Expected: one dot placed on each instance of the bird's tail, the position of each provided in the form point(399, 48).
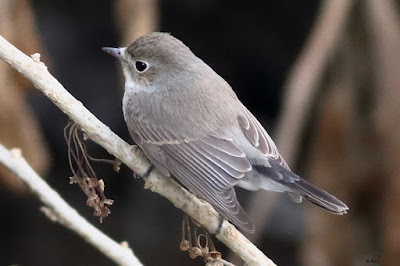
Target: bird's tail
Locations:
point(318, 196)
point(298, 188)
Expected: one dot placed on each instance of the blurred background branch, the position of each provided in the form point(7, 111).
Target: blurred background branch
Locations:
point(135, 18)
point(300, 92)
point(19, 126)
point(384, 22)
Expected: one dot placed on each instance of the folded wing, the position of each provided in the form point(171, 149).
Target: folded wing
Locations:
point(209, 167)
point(211, 172)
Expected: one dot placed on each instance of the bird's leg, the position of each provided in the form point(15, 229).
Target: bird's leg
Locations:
point(134, 149)
point(220, 221)
point(148, 171)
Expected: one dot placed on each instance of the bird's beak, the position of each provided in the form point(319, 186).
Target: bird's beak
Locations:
point(116, 52)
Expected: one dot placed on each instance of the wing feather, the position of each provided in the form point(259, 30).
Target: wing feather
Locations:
point(223, 200)
point(224, 145)
point(199, 166)
point(235, 168)
point(259, 137)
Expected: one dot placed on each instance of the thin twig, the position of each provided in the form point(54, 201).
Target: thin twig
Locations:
point(134, 158)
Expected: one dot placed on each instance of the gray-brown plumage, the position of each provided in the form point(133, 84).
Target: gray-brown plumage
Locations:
point(191, 125)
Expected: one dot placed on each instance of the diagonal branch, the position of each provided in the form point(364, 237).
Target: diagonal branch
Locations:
point(202, 212)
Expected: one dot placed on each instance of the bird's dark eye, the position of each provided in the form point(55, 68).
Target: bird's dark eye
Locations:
point(140, 66)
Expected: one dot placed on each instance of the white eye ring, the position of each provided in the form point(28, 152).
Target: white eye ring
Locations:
point(141, 66)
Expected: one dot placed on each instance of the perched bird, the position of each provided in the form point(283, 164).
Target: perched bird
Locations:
point(191, 125)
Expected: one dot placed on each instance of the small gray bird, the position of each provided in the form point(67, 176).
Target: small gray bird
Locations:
point(190, 124)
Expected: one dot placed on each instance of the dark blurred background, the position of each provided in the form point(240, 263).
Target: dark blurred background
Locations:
point(274, 54)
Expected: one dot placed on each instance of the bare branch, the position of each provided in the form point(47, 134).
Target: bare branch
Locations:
point(199, 210)
point(59, 211)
